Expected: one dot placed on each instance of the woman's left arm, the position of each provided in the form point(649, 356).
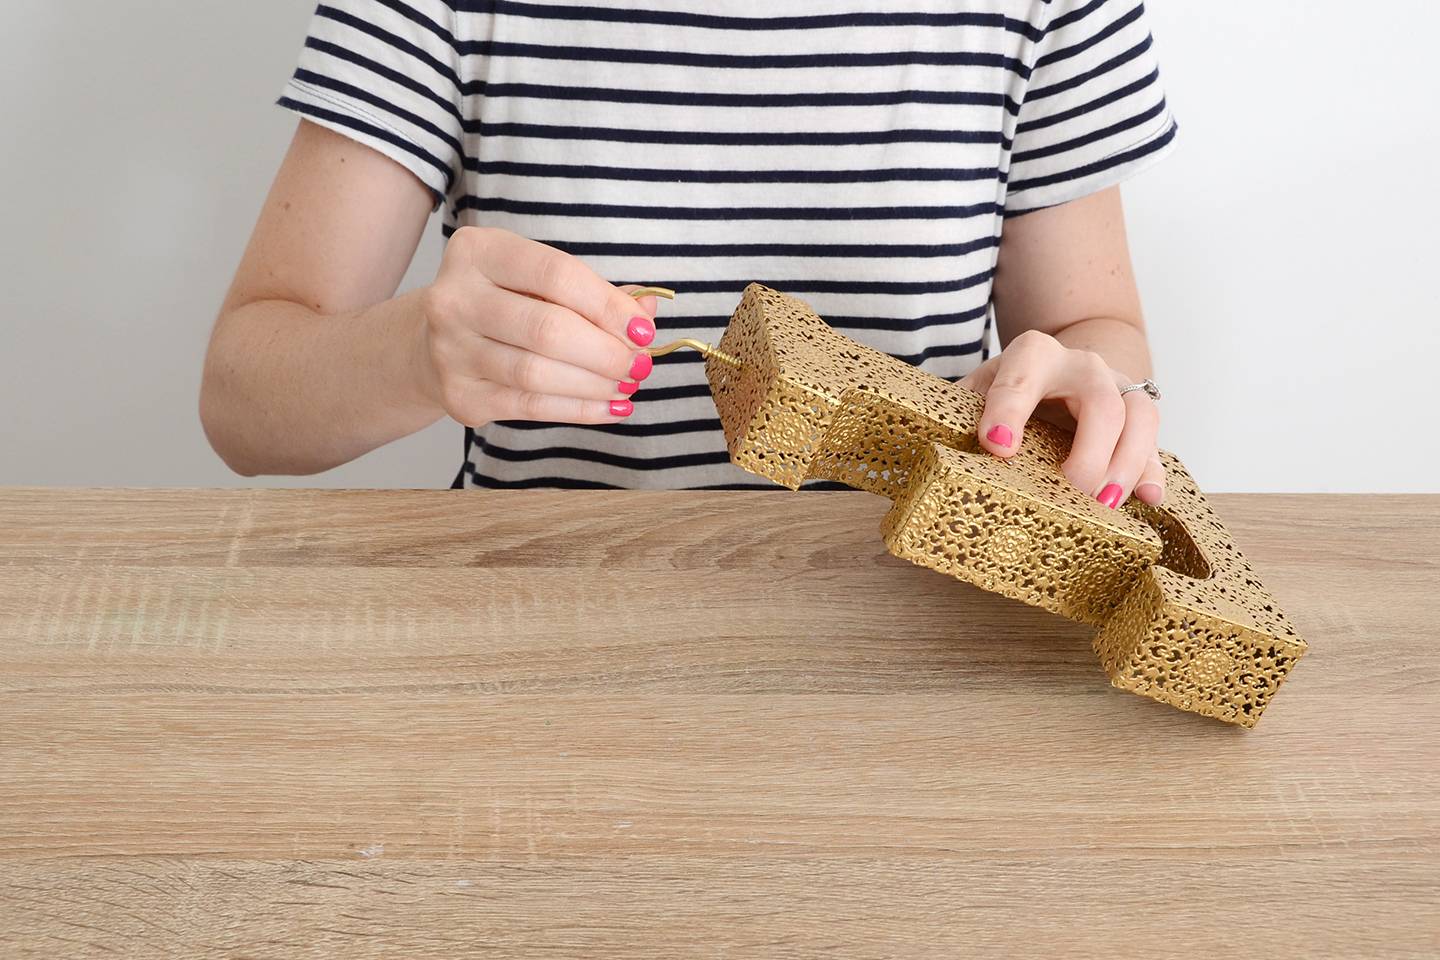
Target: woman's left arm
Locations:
point(1071, 327)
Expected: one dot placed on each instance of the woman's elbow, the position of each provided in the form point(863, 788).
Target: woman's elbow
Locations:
point(222, 416)
point(219, 424)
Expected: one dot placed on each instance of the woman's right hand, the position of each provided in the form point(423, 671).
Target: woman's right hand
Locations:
point(516, 330)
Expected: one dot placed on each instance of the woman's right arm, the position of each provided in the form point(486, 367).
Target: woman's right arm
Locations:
point(314, 360)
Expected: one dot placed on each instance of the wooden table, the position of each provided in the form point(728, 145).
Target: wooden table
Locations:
point(364, 724)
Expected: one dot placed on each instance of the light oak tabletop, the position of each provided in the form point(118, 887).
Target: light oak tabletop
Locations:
point(591, 724)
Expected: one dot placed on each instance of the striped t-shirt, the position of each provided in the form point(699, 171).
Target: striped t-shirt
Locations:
point(860, 155)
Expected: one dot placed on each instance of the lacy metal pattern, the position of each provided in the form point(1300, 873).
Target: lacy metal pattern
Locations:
point(1180, 614)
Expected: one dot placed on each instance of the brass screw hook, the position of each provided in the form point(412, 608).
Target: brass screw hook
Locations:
point(704, 348)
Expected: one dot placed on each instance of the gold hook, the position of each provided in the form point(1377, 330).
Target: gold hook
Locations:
point(665, 292)
point(704, 348)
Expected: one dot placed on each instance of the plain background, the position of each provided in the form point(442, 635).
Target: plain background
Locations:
point(1286, 252)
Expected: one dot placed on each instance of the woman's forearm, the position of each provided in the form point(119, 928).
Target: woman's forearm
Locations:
point(290, 390)
point(1121, 343)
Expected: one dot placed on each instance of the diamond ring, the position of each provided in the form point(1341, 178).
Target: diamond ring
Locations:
point(1148, 385)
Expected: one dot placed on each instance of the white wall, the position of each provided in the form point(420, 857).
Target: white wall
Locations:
point(1285, 251)
point(139, 140)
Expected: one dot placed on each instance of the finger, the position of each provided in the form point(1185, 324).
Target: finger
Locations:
point(544, 408)
point(1133, 450)
point(647, 306)
point(527, 266)
point(1095, 402)
point(1151, 486)
point(535, 373)
point(478, 402)
point(646, 297)
point(553, 331)
point(981, 377)
point(1023, 376)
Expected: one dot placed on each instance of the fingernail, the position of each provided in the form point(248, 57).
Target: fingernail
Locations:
point(1000, 434)
point(626, 387)
point(642, 366)
point(621, 408)
point(1151, 493)
point(641, 331)
point(1110, 496)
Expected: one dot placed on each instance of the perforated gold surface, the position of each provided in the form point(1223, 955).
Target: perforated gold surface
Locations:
point(1181, 615)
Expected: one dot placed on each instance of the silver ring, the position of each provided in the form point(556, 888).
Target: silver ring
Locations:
point(1148, 385)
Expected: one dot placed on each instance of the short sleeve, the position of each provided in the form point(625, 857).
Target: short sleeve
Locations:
point(1094, 112)
point(386, 74)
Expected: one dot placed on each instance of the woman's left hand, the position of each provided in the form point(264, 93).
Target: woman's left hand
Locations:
point(1114, 452)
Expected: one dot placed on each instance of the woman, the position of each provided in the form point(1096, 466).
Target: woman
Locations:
point(913, 174)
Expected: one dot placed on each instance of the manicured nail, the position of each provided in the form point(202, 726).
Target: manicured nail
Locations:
point(642, 366)
point(1000, 434)
point(626, 387)
point(1110, 496)
point(1151, 493)
point(621, 408)
point(641, 331)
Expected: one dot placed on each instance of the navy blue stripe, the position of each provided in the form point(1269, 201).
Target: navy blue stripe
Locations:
point(376, 132)
point(866, 250)
point(1100, 36)
point(688, 98)
point(676, 427)
point(1093, 136)
point(380, 70)
point(702, 390)
point(687, 391)
point(940, 351)
point(670, 429)
point(1079, 79)
point(705, 458)
point(406, 9)
point(848, 324)
point(828, 286)
point(1099, 166)
point(365, 96)
point(399, 43)
point(710, 21)
point(936, 351)
point(466, 467)
point(809, 486)
point(1079, 13)
point(766, 138)
point(843, 324)
point(654, 175)
point(1089, 106)
point(741, 61)
point(615, 211)
point(569, 483)
point(536, 483)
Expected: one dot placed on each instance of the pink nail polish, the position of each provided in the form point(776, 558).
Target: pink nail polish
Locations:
point(641, 331)
point(642, 366)
point(621, 408)
point(1110, 496)
point(626, 387)
point(1000, 434)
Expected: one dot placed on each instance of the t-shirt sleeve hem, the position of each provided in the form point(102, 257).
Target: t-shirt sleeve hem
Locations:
point(1027, 196)
point(336, 112)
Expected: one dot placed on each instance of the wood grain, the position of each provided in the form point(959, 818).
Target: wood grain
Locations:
point(429, 724)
